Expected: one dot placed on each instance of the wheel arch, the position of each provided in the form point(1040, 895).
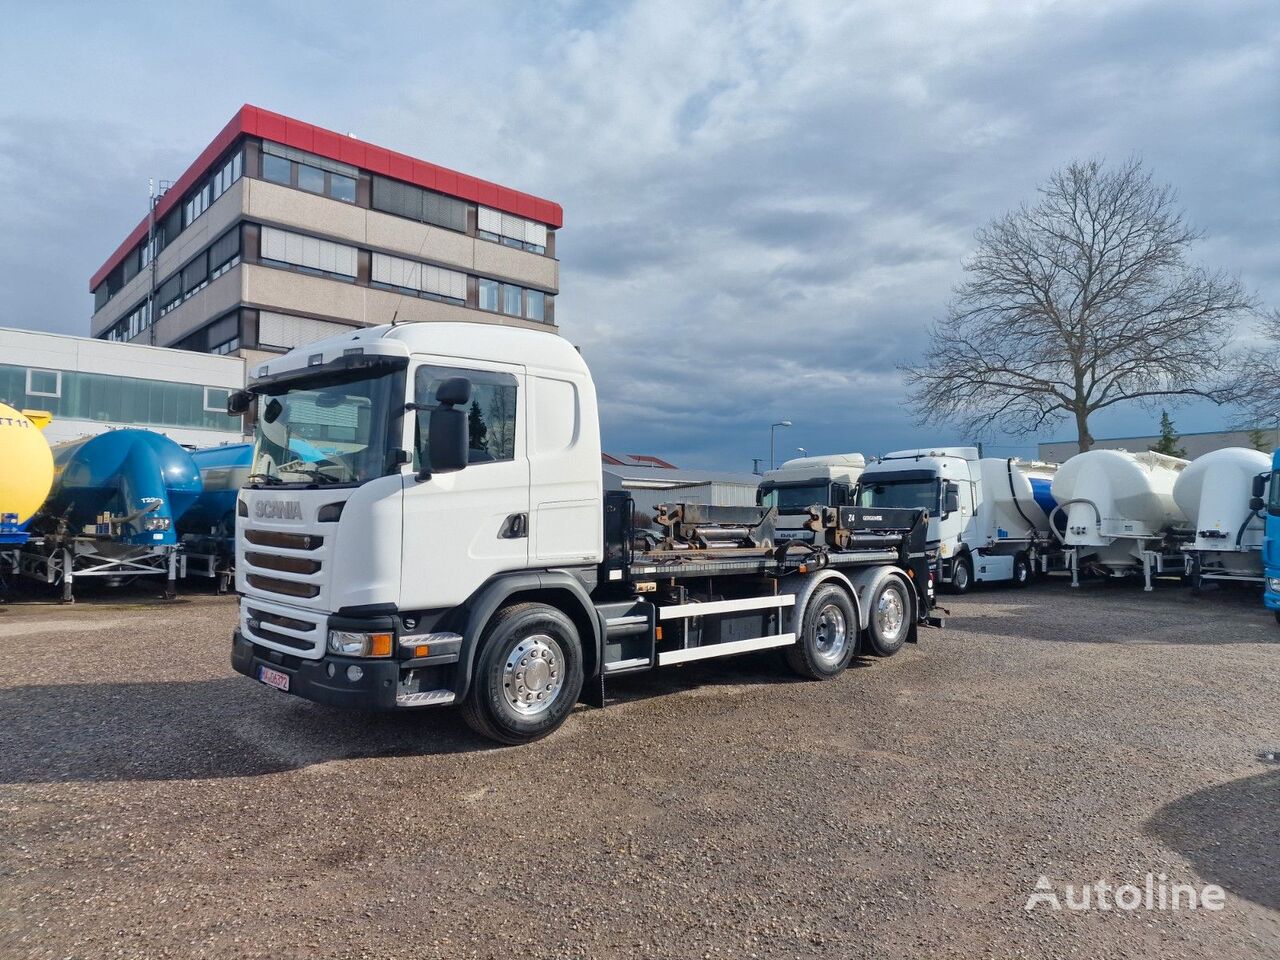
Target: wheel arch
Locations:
point(804, 589)
point(556, 588)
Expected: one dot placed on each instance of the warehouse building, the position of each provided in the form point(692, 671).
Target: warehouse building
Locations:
point(651, 481)
point(1195, 444)
point(91, 386)
point(282, 232)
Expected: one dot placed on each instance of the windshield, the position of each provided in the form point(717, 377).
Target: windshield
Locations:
point(912, 494)
point(1274, 507)
point(331, 429)
point(795, 497)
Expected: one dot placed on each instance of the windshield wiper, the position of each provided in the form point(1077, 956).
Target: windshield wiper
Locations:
point(267, 478)
point(315, 473)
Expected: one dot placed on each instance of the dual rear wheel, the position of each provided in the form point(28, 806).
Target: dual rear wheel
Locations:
point(829, 632)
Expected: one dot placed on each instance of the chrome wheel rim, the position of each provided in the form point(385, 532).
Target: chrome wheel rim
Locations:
point(533, 675)
point(890, 613)
point(961, 576)
point(830, 634)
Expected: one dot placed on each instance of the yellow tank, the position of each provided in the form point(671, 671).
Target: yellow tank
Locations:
point(26, 463)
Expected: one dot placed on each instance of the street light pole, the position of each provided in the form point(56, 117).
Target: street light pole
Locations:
point(772, 429)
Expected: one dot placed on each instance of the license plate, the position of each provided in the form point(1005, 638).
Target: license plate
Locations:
point(273, 678)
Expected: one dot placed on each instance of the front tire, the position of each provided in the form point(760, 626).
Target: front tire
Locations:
point(528, 674)
point(962, 575)
point(889, 616)
point(827, 637)
point(1021, 570)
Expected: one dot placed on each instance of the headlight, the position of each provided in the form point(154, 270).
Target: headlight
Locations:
point(351, 643)
point(156, 523)
point(1273, 584)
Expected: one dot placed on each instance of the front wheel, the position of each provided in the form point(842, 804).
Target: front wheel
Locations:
point(889, 617)
point(827, 636)
point(961, 575)
point(1021, 570)
point(528, 674)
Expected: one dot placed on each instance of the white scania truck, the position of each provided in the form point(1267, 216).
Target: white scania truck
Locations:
point(425, 524)
point(988, 515)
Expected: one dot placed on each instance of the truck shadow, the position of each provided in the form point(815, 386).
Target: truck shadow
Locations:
point(1229, 834)
point(184, 730)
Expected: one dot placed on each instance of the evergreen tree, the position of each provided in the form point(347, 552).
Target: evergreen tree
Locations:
point(1168, 443)
point(477, 431)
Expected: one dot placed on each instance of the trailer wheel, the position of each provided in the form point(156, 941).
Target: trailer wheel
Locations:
point(1021, 570)
point(961, 575)
point(528, 674)
point(889, 617)
point(828, 635)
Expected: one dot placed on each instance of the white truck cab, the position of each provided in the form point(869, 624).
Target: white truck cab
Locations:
point(988, 516)
point(424, 523)
point(799, 484)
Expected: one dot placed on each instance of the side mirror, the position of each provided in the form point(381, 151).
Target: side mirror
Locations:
point(238, 403)
point(447, 433)
point(272, 413)
point(951, 499)
point(1259, 486)
point(1256, 504)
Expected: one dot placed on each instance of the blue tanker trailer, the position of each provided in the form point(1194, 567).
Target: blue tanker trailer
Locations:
point(114, 509)
point(209, 528)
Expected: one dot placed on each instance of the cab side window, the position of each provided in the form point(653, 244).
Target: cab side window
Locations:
point(491, 415)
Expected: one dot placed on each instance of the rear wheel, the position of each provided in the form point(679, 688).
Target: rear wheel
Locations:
point(827, 636)
point(889, 619)
point(528, 674)
point(961, 575)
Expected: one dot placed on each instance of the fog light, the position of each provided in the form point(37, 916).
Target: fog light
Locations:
point(330, 670)
point(1273, 584)
point(354, 673)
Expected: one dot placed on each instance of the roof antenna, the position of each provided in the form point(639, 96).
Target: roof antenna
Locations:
point(394, 315)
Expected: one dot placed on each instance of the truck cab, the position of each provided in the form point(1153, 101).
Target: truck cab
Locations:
point(988, 516)
point(1271, 539)
point(804, 482)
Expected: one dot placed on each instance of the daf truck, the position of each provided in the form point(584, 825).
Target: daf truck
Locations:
point(424, 524)
point(988, 516)
point(829, 480)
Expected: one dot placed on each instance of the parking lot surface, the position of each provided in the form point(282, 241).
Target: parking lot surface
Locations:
point(154, 804)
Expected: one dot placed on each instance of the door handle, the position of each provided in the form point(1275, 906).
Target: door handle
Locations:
point(515, 527)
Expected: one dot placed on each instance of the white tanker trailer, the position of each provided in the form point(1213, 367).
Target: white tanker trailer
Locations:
point(1119, 512)
point(1214, 493)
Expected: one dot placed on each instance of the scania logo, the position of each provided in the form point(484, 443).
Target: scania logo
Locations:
point(278, 510)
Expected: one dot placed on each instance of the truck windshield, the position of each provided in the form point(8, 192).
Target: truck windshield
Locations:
point(913, 494)
point(334, 429)
point(793, 498)
point(1273, 507)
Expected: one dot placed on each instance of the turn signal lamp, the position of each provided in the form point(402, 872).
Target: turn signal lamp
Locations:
point(380, 645)
point(422, 650)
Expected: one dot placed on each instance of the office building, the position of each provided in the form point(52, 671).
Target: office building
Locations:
point(1195, 444)
point(281, 233)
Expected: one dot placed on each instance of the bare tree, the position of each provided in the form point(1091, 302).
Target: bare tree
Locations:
point(1078, 303)
point(1258, 391)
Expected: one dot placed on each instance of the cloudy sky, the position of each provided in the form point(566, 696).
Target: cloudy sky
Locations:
point(765, 203)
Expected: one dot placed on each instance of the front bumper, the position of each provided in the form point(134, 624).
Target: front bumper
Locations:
point(375, 690)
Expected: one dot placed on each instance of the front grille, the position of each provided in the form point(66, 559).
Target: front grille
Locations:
point(282, 638)
point(288, 588)
point(286, 541)
point(279, 620)
point(270, 561)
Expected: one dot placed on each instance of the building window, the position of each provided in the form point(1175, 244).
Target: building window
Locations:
point(44, 383)
point(535, 305)
point(230, 346)
point(488, 295)
point(422, 279)
point(277, 169)
point(511, 300)
point(510, 230)
point(342, 188)
point(310, 179)
point(491, 416)
point(215, 399)
point(415, 203)
point(308, 253)
point(225, 253)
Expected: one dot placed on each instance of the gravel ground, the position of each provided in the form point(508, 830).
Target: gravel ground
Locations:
point(154, 804)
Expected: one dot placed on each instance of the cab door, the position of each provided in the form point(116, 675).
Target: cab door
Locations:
point(462, 528)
